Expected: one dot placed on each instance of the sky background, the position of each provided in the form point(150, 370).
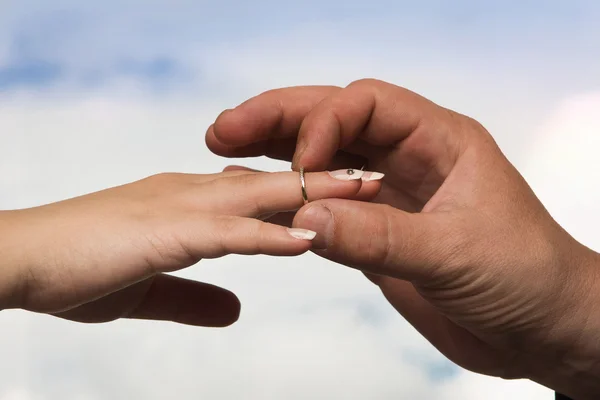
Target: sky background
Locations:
point(94, 95)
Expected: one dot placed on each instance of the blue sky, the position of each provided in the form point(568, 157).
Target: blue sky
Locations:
point(95, 94)
point(160, 42)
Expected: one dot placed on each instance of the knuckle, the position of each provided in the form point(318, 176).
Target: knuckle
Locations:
point(233, 183)
point(380, 88)
point(397, 228)
point(166, 253)
point(260, 235)
point(366, 87)
point(380, 247)
point(271, 93)
point(470, 122)
point(367, 82)
point(166, 187)
point(251, 199)
point(464, 124)
point(236, 237)
point(241, 179)
point(394, 229)
point(236, 193)
point(163, 177)
point(376, 248)
point(225, 226)
point(274, 98)
point(163, 183)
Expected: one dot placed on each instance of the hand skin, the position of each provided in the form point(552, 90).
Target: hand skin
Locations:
point(456, 240)
point(106, 255)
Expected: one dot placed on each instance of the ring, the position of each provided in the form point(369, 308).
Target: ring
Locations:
point(303, 186)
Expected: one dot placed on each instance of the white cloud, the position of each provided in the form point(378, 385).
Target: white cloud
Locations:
point(563, 167)
point(469, 386)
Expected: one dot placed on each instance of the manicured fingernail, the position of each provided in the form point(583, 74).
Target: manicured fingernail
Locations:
point(347, 174)
point(302, 234)
point(372, 176)
point(355, 174)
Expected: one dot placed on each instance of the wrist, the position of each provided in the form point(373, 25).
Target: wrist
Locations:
point(11, 282)
point(571, 365)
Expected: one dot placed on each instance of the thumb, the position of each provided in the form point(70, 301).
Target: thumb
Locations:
point(383, 240)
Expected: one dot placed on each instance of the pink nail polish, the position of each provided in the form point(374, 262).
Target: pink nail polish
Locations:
point(347, 174)
point(355, 174)
point(302, 234)
point(372, 176)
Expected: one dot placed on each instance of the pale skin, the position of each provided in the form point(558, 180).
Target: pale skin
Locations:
point(106, 255)
point(455, 239)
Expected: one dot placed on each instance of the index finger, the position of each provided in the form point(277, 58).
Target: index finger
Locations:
point(252, 195)
point(273, 115)
point(381, 114)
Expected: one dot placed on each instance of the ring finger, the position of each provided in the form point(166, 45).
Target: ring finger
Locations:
point(254, 194)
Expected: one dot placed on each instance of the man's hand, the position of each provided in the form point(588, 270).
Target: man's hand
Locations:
point(456, 240)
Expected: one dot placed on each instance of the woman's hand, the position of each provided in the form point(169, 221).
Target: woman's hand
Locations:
point(104, 256)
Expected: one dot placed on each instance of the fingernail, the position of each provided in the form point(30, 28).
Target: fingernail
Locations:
point(302, 234)
point(320, 219)
point(355, 174)
point(347, 174)
point(372, 176)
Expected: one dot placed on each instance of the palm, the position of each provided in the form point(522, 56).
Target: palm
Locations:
point(409, 186)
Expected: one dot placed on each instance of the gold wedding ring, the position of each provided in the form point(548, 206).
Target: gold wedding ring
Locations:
point(303, 186)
